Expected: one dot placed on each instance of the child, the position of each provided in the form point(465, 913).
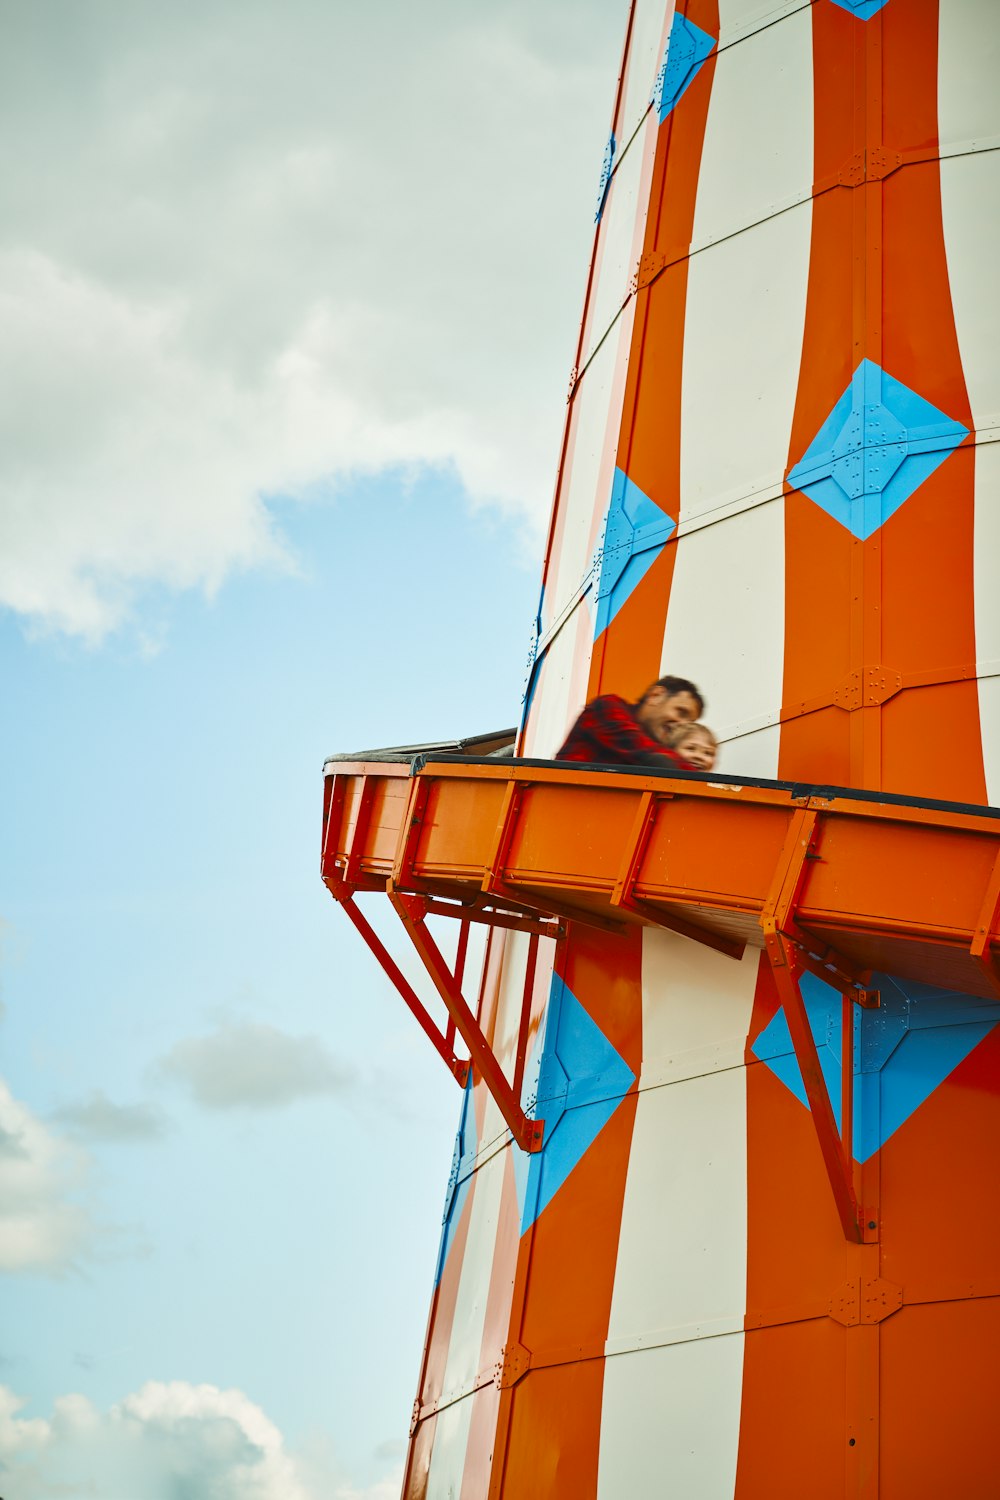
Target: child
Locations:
point(696, 744)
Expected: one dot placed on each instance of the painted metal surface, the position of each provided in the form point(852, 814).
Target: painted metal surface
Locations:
point(756, 1252)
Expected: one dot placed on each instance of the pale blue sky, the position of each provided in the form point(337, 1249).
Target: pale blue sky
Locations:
point(162, 817)
point(288, 302)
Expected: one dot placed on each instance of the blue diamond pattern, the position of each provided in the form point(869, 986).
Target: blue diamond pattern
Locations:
point(902, 1051)
point(687, 48)
point(875, 449)
point(532, 669)
point(634, 533)
point(863, 9)
point(577, 1081)
point(463, 1163)
point(606, 169)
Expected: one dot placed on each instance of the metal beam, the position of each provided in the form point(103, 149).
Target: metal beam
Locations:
point(458, 1067)
point(527, 1132)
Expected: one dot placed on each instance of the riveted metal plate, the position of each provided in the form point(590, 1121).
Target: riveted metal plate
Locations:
point(513, 1363)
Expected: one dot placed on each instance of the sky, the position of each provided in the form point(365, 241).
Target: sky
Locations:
point(288, 302)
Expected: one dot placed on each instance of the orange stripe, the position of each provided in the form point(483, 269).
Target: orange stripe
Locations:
point(792, 1438)
point(486, 1402)
point(482, 1444)
point(897, 599)
point(567, 1281)
point(439, 1326)
point(557, 522)
point(442, 1311)
point(938, 1358)
point(819, 553)
point(627, 655)
point(418, 1461)
point(878, 289)
point(549, 1423)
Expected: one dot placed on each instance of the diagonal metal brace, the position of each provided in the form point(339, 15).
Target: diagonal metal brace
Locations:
point(834, 1148)
point(788, 961)
point(527, 1132)
point(457, 1066)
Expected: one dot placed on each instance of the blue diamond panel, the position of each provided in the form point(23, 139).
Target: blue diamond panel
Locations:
point(687, 48)
point(577, 1082)
point(902, 1051)
point(863, 9)
point(877, 446)
point(463, 1162)
point(634, 533)
point(605, 182)
point(534, 662)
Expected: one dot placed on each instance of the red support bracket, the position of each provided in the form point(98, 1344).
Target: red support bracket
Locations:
point(333, 803)
point(834, 1148)
point(493, 883)
point(362, 823)
point(623, 897)
point(411, 910)
point(509, 916)
point(522, 1031)
point(789, 960)
point(457, 1066)
point(402, 870)
point(980, 948)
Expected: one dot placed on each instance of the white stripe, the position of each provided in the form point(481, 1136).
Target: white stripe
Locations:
point(987, 602)
point(610, 315)
point(508, 1020)
point(562, 687)
point(970, 193)
point(681, 1271)
point(743, 347)
point(586, 490)
point(758, 150)
point(668, 1425)
point(451, 1439)
point(682, 1250)
point(584, 496)
point(623, 224)
point(680, 1277)
point(740, 18)
point(747, 295)
point(650, 29)
point(726, 628)
point(969, 62)
point(465, 1348)
point(968, 68)
point(622, 228)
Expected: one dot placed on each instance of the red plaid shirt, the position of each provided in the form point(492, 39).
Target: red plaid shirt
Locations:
point(608, 733)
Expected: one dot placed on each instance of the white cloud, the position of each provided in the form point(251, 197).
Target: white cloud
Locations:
point(167, 1439)
point(100, 1119)
point(164, 1440)
point(251, 1065)
point(251, 249)
point(43, 1224)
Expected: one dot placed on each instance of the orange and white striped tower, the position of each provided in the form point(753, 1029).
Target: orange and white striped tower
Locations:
point(779, 478)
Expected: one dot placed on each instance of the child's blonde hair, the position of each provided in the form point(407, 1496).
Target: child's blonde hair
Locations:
point(681, 732)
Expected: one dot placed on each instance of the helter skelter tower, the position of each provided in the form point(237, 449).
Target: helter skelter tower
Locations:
point(723, 1216)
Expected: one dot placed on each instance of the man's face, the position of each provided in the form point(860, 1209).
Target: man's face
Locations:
point(660, 711)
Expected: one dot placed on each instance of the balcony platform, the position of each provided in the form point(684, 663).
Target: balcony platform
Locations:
point(831, 880)
point(891, 883)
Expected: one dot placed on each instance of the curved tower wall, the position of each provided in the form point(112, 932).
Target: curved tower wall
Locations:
point(779, 478)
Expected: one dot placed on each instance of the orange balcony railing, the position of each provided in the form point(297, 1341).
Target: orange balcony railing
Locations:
point(838, 882)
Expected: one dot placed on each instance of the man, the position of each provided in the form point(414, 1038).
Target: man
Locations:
point(611, 731)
